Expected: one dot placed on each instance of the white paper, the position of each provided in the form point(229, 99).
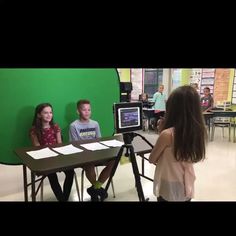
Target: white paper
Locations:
point(112, 143)
point(42, 153)
point(94, 146)
point(68, 149)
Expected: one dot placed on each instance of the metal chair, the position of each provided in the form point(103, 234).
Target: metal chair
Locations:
point(40, 186)
point(221, 122)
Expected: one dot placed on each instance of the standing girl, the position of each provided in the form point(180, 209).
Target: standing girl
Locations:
point(45, 132)
point(180, 144)
point(159, 99)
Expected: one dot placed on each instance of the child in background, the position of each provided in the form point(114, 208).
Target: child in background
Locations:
point(45, 132)
point(195, 86)
point(86, 129)
point(180, 144)
point(144, 99)
point(159, 99)
point(207, 101)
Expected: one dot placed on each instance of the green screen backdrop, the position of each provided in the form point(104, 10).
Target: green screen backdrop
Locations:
point(22, 89)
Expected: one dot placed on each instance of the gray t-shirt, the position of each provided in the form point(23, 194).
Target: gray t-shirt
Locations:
point(206, 102)
point(84, 131)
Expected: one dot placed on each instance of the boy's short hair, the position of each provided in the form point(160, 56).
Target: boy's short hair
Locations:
point(207, 89)
point(82, 102)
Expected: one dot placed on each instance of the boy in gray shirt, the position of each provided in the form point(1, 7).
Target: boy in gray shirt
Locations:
point(86, 129)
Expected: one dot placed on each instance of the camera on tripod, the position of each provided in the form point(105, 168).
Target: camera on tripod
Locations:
point(128, 117)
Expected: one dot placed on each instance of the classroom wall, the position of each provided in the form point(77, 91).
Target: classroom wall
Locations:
point(137, 76)
point(124, 74)
point(179, 77)
point(167, 81)
point(182, 76)
point(185, 76)
point(231, 80)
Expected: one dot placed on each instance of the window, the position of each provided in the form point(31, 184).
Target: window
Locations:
point(152, 80)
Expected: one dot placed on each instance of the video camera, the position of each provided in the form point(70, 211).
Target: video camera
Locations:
point(128, 116)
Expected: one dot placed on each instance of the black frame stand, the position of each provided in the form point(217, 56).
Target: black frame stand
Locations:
point(128, 138)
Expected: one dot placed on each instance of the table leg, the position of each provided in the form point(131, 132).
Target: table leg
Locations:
point(33, 186)
point(234, 131)
point(25, 183)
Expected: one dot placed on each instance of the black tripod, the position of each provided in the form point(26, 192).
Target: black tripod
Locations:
point(128, 138)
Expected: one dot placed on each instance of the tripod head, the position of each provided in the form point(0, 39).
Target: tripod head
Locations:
point(129, 137)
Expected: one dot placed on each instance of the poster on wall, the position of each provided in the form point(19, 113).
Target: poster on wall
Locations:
point(234, 89)
point(195, 77)
point(221, 87)
point(208, 80)
point(137, 83)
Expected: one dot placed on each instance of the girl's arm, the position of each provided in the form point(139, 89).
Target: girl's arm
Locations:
point(163, 141)
point(98, 131)
point(57, 130)
point(154, 98)
point(34, 139)
point(211, 105)
point(58, 136)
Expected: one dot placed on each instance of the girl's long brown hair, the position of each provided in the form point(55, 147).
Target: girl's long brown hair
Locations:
point(37, 122)
point(183, 112)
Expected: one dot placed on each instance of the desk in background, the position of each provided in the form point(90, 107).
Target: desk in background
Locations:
point(229, 114)
point(150, 113)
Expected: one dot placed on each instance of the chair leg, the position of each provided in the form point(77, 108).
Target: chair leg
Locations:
point(113, 190)
point(82, 185)
point(229, 132)
point(77, 185)
point(41, 192)
point(213, 132)
point(223, 132)
point(40, 186)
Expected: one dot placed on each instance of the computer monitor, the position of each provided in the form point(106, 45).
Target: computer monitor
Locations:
point(128, 116)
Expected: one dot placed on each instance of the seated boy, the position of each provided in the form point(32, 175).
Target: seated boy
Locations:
point(84, 129)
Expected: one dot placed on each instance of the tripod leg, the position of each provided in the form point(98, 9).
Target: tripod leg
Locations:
point(117, 160)
point(136, 175)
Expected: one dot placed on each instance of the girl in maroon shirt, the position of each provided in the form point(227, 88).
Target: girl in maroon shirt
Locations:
point(45, 132)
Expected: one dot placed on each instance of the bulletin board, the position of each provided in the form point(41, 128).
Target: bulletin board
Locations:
point(234, 89)
point(208, 80)
point(221, 87)
point(195, 77)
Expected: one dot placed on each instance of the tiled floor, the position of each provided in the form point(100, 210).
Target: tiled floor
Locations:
point(216, 177)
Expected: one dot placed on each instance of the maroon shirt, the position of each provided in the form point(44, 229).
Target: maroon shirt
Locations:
point(49, 135)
